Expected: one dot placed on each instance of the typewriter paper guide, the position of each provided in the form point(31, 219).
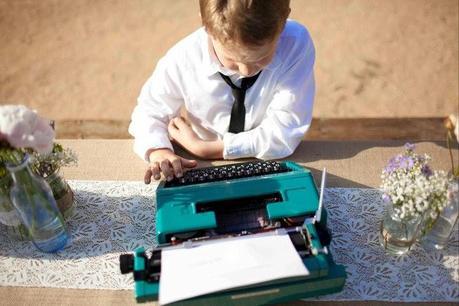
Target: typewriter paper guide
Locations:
point(204, 269)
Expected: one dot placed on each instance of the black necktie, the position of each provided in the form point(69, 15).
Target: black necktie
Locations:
point(237, 119)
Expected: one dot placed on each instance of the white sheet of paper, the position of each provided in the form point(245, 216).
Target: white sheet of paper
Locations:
point(195, 271)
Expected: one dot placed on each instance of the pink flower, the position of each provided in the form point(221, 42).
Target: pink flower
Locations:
point(23, 128)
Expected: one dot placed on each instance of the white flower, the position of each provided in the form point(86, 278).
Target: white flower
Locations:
point(23, 128)
point(414, 190)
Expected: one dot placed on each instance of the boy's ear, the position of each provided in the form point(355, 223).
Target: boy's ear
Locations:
point(200, 18)
point(289, 11)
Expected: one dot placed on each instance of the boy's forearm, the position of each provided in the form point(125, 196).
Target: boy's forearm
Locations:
point(210, 149)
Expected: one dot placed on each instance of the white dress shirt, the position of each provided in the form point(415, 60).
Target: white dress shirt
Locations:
point(278, 106)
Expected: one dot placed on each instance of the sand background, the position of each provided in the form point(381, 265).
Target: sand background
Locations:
point(85, 59)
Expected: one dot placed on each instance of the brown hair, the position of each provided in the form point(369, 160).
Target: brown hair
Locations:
point(244, 22)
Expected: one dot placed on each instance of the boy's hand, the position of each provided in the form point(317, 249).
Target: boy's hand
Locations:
point(167, 162)
point(184, 135)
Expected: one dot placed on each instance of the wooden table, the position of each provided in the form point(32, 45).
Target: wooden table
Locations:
point(349, 164)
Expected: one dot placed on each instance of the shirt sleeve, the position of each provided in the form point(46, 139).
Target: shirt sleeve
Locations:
point(159, 101)
point(288, 115)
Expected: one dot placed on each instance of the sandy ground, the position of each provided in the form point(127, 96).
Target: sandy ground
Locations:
point(85, 59)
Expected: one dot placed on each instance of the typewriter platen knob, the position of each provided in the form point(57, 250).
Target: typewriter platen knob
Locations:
point(126, 263)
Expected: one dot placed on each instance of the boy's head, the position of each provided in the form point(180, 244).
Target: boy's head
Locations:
point(244, 33)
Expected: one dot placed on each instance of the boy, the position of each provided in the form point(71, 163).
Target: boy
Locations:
point(245, 81)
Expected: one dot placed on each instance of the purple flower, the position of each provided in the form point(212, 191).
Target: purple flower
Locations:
point(426, 170)
point(389, 169)
point(399, 162)
point(386, 198)
point(406, 162)
point(409, 146)
point(393, 164)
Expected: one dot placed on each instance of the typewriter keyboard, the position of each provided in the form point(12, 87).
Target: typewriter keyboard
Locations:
point(228, 172)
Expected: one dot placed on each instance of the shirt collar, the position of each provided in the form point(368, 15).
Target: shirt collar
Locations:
point(211, 63)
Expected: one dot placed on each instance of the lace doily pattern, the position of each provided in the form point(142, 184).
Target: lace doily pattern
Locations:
point(117, 217)
point(354, 220)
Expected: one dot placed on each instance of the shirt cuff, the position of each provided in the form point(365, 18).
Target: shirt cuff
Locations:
point(238, 145)
point(157, 141)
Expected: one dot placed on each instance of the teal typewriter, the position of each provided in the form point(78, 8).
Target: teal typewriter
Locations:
point(240, 200)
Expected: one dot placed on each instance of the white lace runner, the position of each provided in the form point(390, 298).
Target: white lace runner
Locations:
point(117, 217)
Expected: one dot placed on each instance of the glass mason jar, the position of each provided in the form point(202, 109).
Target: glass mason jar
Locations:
point(397, 236)
point(438, 236)
point(62, 193)
point(33, 199)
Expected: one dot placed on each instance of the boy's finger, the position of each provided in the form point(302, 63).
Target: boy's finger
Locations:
point(172, 124)
point(156, 171)
point(147, 177)
point(188, 163)
point(177, 165)
point(166, 169)
point(180, 123)
point(172, 129)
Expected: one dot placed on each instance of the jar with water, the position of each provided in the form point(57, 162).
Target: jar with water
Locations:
point(439, 235)
point(398, 235)
point(33, 199)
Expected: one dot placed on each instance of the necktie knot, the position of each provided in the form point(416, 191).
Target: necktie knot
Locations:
point(246, 83)
point(237, 119)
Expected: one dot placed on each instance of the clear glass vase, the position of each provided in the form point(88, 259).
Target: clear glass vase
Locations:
point(62, 193)
point(397, 236)
point(8, 215)
point(438, 236)
point(33, 200)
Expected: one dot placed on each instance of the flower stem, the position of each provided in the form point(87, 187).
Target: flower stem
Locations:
point(448, 142)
